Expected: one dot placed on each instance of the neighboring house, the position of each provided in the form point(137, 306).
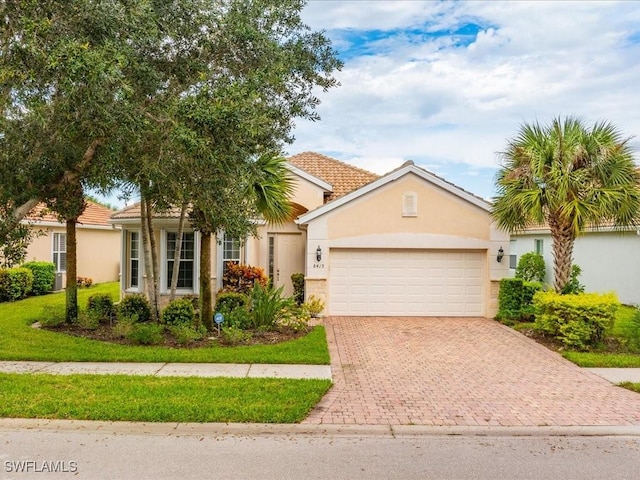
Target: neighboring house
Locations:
point(609, 258)
point(406, 243)
point(98, 243)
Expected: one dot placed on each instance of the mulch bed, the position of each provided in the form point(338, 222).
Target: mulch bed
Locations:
point(104, 333)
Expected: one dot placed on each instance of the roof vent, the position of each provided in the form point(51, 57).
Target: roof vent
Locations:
point(409, 204)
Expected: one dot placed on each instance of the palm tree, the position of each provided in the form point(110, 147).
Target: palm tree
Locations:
point(569, 177)
point(265, 189)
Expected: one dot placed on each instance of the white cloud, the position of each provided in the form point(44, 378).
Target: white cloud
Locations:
point(436, 101)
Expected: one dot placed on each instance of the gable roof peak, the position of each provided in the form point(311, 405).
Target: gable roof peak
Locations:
point(344, 178)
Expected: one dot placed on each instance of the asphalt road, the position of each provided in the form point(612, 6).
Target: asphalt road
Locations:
point(164, 453)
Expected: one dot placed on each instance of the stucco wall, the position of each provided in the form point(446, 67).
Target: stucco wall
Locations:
point(98, 251)
point(307, 194)
point(438, 212)
point(610, 261)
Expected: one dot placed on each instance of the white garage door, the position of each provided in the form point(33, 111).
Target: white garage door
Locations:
point(406, 282)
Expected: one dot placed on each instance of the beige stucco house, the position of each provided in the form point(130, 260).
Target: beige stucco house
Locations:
point(98, 242)
point(406, 243)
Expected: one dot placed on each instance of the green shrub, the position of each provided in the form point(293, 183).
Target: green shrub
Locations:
point(195, 301)
point(44, 276)
point(101, 306)
point(578, 321)
point(52, 315)
point(529, 289)
point(226, 302)
point(239, 318)
point(297, 279)
point(179, 312)
point(510, 299)
point(634, 326)
point(267, 304)
point(531, 267)
point(573, 286)
point(314, 306)
point(185, 334)
point(295, 319)
point(15, 283)
point(235, 336)
point(89, 320)
point(123, 328)
point(135, 306)
point(145, 334)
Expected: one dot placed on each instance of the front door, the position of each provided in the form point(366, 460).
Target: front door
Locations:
point(286, 257)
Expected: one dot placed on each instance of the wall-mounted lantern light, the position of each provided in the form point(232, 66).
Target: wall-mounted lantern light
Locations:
point(318, 253)
point(500, 255)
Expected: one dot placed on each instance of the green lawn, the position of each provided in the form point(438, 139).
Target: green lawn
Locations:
point(18, 341)
point(635, 387)
point(153, 399)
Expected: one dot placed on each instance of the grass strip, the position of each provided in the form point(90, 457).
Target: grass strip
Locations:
point(603, 360)
point(18, 341)
point(634, 387)
point(153, 399)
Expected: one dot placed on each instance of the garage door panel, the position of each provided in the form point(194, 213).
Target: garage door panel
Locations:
point(406, 282)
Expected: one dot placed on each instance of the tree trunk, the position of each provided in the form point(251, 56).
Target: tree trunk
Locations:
point(563, 240)
point(206, 309)
point(71, 309)
point(178, 252)
point(148, 259)
point(155, 308)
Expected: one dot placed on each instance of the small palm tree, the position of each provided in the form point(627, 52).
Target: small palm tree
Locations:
point(569, 177)
point(265, 188)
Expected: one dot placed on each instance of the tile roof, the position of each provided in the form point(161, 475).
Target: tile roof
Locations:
point(343, 177)
point(133, 211)
point(94, 214)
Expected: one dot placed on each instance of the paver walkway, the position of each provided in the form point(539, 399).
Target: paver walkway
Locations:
point(459, 371)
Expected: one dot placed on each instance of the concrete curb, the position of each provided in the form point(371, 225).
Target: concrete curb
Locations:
point(304, 430)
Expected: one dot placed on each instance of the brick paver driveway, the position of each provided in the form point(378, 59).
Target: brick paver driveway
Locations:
point(459, 371)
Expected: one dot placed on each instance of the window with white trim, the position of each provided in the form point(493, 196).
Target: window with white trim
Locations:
point(60, 251)
point(133, 274)
point(186, 269)
point(230, 251)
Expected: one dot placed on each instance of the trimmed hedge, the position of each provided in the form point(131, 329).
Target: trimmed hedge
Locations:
point(297, 279)
point(44, 276)
point(510, 299)
point(101, 306)
point(578, 321)
point(134, 307)
point(515, 300)
point(15, 283)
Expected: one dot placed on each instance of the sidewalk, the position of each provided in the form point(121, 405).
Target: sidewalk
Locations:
point(170, 369)
point(238, 370)
point(617, 375)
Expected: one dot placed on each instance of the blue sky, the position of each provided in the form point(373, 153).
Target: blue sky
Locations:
point(446, 83)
